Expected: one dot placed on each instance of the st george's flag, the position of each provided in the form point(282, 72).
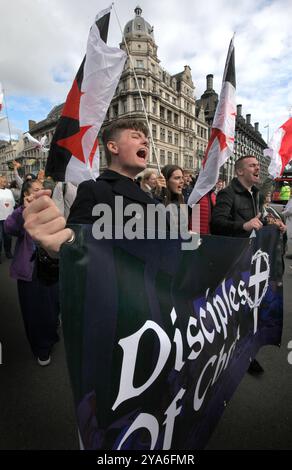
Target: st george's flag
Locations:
point(221, 142)
point(280, 149)
point(1, 97)
point(74, 153)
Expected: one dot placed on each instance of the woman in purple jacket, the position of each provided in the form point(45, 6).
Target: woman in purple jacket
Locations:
point(38, 301)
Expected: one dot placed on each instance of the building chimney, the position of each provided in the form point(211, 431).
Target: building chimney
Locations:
point(239, 110)
point(31, 124)
point(256, 126)
point(210, 81)
point(248, 119)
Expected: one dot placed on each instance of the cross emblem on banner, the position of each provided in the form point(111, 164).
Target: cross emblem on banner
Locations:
point(258, 282)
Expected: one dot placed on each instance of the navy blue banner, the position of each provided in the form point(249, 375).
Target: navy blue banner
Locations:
point(158, 338)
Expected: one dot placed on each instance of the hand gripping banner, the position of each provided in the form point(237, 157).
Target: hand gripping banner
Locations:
point(158, 339)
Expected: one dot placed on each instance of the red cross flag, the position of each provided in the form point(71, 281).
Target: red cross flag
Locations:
point(221, 142)
point(280, 149)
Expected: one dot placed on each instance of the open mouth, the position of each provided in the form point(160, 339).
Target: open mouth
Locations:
point(142, 153)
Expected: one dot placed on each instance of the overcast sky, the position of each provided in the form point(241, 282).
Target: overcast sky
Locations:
point(42, 43)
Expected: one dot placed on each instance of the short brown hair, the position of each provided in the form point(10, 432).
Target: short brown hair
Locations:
point(238, 163)
point(112, 131)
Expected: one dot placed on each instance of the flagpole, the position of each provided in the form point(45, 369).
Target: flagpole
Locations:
point(268, 132)
point(5, 102)
point(140, 94)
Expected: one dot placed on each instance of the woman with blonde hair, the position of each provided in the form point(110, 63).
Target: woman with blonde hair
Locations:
point(149, 182)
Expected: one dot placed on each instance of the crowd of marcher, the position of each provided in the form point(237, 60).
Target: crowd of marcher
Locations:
point(35, 210)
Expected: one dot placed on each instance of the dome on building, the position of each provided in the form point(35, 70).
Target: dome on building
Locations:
point(138, 27)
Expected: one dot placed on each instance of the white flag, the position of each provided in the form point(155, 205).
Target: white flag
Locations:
point(221, 142)
point(280, 149)
point(74, 153)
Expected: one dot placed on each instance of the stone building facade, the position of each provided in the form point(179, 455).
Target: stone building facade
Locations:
point(178, 129)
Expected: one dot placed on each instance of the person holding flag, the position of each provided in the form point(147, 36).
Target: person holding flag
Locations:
point(236, 212)
point(73, 152)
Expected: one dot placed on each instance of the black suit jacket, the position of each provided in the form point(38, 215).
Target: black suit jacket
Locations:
point(234, 206)
point(104, 191)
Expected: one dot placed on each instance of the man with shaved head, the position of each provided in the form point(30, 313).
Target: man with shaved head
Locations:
point(236, 212)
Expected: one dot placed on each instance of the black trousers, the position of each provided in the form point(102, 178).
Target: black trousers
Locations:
point(6, 238)
point(40, 308)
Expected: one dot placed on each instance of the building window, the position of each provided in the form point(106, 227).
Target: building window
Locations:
point(124, 106)
point(175, 139)
point(141, 83)
point(115, 110)
point(154, 131)
point(162, 134)
point(167, 96)
point(138, 104)
point(190, 162)
point(169, 116)
point(154, 107)
point(169, 137)
point(169, 158)
point(162, 112)
point(175, 118)
point(176, 159)
point(140, 64)
point(162, 157)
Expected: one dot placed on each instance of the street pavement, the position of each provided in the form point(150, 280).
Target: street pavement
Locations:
point(259, 415)
point(36, 405)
